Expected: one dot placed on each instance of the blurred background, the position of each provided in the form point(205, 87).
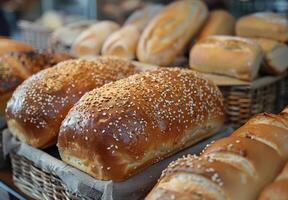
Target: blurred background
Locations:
point(52, 14)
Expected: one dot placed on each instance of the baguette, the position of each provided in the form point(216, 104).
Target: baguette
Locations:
point(275, 55)
point(235, 167)
point(166, 36)
point(227, 55)
point(278, 190)
point(264, 25)
point(219, 22)
point(40, 103)
point(115, 131)
point(122, 43)
point(91, 40)
point(16, 67)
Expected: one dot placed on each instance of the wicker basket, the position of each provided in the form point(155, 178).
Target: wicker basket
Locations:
point(35, 34)
point(36, 183)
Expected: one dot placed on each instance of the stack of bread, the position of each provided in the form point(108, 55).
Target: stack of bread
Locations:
point(236, 167)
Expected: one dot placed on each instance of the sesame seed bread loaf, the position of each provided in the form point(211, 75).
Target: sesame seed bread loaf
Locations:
point(275, 55)
point(264, 25)
point(227, 55)
point(235, 167)
point(15, 67)
point(123, 127)
point(219, 22)
point(40, 103)
point(278, 190)
point(166, 36)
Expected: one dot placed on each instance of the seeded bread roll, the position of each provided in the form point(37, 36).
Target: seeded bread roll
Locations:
point(121, 128)
point(275, 55)
point(39, 105)
point(264, 25)
point(166, 36)
point(278, 190)
point(227, 55)
point(122, 43)
point(90, 41)
point(219, 22)
point(16, 67)
point(235, 167)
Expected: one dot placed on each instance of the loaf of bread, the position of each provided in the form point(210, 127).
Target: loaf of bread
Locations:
point(121, 128)
point(219, 22)
point(278, 190)
point(235, 167)
point(140, 18)
point(169, 32)
point(122, 43)
point(39, 104)
point(9, 45)
point(63, 38)
point(275, 55)
point(264, 25)
point(16, 67)
point(227, 55)
point(90, 41)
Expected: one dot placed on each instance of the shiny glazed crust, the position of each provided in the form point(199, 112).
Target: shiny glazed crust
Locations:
point(264, 25)
point(121, 128)
point(39, 105)
point(235, 167)
point(227, 55)
point(166, 35)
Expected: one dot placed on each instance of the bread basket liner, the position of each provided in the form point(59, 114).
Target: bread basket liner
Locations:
point(80, 183)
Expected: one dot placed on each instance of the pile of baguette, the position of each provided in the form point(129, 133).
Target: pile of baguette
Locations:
point(217, 42)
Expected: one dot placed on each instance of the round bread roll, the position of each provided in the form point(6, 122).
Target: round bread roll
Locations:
point(16, 67)
point(90, 41)
point(39, 105)
point(122, 43)
point(123, 127)
point(9, 45)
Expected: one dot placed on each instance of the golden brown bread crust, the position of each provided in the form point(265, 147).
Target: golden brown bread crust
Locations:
point(168, 33)
point(114, 131)
point(39, 105)
point(90, 41)
point(122, 43)
point(16, 67)
point(9, 45)
point(219, 22)
point(255, 152)
point(278, 190)
point(263, 24)
point(227, 55)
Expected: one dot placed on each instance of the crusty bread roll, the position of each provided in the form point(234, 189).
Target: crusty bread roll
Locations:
point(140, 18)
point(168, 33)
point(227, 55)
point(278, 190)
point(265, 25)
point(9, 45)
point(275, 55)
point(121, 128)
point(219, 22)
point(16, 67)
point(122, 43)
point(90, 41)
point(39, 105)
point(63, 38)
point(235, 167)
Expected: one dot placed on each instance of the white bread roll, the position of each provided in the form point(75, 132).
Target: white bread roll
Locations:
point(122, 43)
point(90, 41)
point(265, 25)
point(227, 55)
